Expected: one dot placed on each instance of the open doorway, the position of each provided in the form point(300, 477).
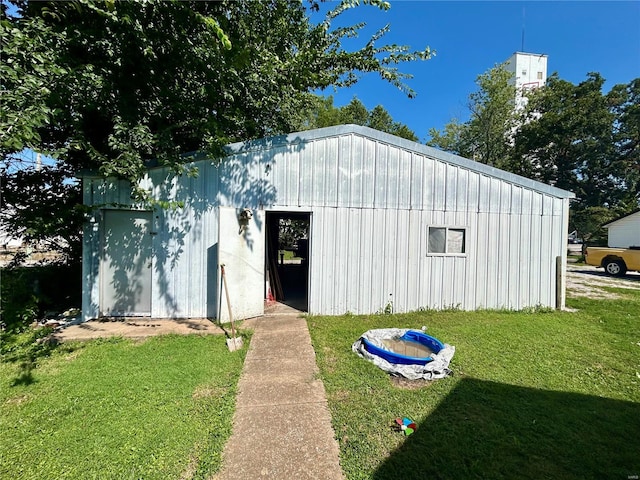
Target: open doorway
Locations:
point(287, 269)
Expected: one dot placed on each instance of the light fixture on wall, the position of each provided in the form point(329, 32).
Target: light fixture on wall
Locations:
point(243, 219)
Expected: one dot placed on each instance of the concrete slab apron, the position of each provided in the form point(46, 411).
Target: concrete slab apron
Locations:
point(282, 426)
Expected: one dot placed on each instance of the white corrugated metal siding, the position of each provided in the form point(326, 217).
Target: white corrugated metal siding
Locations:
point(372, 203)
point(372, 198)
point(625, 232)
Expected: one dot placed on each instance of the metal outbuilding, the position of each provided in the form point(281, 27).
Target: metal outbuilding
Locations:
point(624, 232)
point(392, 225)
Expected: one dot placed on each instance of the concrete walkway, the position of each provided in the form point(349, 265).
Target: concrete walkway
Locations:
point(282, 427)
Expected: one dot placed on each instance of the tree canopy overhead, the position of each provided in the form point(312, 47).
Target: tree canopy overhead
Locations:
point(110, 85)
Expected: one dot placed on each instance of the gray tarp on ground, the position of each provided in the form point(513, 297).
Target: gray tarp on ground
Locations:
point(438, 368)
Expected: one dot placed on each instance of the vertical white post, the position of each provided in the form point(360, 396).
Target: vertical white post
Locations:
point(561, 280)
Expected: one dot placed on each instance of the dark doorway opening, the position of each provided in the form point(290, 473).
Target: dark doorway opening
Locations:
point(287, 269)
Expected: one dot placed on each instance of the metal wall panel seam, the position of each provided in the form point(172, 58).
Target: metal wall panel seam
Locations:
point(342, 262)
point(401, 284)
point(380, 178)
point(353, 273)
point(331, 173)
point(505, 197)
point(333, 232)
point(482, 261)
point(345, 172)
point(537, 256)
point(365, 303)
point(427, 185)
point(316, 263)
point(439, 189)
point(297, 175)
point(356, 158)
point(505, 270)
point(411, 275)
point(388, 189)
point(474, 256)
point(400, 186)
point(547, 280)
point(462, 190)
point(378, 261)
point(369, 173)
point(514, 261)
point(391, 222)
point(302, 172)
point(451, 184)
point(416, 182)
point(495, 188)
point(346, 265)
point(405, 183)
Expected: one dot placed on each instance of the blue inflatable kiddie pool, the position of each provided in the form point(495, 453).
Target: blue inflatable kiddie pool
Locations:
point(412, 348)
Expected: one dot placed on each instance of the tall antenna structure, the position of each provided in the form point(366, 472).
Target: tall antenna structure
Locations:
point(523, 23)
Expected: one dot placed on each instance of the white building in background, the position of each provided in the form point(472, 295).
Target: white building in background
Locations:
point(529, 71)
point(624, 232)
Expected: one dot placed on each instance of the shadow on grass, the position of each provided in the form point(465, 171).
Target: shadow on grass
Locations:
point(26, 350)
point(492, 430)
point(25, 376)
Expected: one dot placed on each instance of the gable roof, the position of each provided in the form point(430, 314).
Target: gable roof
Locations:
point(340, 130)
point(607, 225)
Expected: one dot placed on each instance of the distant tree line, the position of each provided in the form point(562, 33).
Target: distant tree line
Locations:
point(321, 112)
point(575, 137)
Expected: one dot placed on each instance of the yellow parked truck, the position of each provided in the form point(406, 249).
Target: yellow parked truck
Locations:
point(615, 261)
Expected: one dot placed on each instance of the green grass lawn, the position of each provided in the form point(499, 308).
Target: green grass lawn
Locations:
point(533, 395)
point(289, 255)
point(117, 409)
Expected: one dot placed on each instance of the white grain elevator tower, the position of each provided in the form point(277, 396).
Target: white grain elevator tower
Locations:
point(529, 71)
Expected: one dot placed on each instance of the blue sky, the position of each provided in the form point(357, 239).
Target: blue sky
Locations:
point(471, 37)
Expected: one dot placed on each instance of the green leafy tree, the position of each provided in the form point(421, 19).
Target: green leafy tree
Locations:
point(451, 139)
point(355, 112)
point(568, 139)
point(572, 136)
point(321, 112)
point(113, 86)
point(140, 81)
point(588, 221)
point(54, 216)
point(487, 136)
point(381, 120)
point(625, 103)
point(290, 231)
point(582, 140)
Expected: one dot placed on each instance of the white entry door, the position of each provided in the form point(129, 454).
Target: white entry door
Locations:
point(241, 251)
point(125, 266)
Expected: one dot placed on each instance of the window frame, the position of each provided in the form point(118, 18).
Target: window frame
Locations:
point(447, 228)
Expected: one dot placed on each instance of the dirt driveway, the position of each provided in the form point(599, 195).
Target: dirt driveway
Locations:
point(588, 281)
